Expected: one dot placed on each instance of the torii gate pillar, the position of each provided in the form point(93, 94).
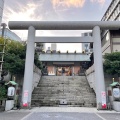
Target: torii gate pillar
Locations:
point(28, 74)
point(99, 74)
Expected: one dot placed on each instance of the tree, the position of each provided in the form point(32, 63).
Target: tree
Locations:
point(112, 63)
point(14, 58)
point(37, 62)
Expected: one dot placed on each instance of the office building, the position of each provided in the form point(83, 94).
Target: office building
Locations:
point(111, 38)
point(113, 11)
point(86, 47)
point(10, 35)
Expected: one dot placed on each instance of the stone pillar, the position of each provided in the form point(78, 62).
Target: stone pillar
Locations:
point(29, 63)
point(98, 66)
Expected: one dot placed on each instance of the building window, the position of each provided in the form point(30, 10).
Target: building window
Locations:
point(105, 39)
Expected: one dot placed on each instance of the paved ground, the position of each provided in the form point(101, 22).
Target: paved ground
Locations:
point(13, 115)
point(60, 113)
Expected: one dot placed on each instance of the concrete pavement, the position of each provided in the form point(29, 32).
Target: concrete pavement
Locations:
point(60, 113)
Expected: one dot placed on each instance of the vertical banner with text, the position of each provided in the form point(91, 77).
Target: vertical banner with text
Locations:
point(103, 94)
point(25, 99)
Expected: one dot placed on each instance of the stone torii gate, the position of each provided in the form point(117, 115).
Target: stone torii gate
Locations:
point(32, 26)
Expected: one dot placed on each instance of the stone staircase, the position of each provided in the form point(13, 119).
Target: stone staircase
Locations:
point(63, 90)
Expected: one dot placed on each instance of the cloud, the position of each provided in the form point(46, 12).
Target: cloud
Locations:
point(65, 5)
point(19, 11)
point(24, 10)
point(29, 10)
point(46, 10)
point(99, 1)
point(68, 3)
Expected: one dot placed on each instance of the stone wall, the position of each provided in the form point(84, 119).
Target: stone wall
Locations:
point(36, 76)
point(90, 74)
point(19, 79)
point(91, 80)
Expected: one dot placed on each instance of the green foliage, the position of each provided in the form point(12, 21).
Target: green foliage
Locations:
point(37, 62)
point(112, 63)
point(14, 58)
point(3, 92)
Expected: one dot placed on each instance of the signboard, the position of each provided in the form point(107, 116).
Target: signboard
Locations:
point(11, 91)
point(103, 94)
point(25, 99)
point(116, 92)
point(26, 93)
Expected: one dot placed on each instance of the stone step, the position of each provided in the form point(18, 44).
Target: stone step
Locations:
point(58, 92)
point(47, 100)
point(64, 87)
point(60, 81)
point(52, 89)
point(57, 103)
point(64, 80)
point(59, 97)
point(63, 83)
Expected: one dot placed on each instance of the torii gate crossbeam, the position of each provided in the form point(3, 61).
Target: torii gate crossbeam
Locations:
point(59, 39)
point(63, 25)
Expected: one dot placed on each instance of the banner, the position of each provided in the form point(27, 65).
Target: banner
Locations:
point(103, 94)
point(25, 99)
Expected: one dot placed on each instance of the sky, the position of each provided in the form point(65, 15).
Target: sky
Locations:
point(55, 10)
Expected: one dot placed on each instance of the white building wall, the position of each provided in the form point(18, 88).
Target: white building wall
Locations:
point(116, 48)
point(53, 46)
point(116, 40)
point(1, 10)
point(116, 44)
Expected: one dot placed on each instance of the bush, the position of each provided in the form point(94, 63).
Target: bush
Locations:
point(112, 63)
point(3, 92)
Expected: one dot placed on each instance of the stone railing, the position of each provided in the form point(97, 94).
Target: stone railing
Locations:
point(36, 77)
point(90, 74)
point(90, 70)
